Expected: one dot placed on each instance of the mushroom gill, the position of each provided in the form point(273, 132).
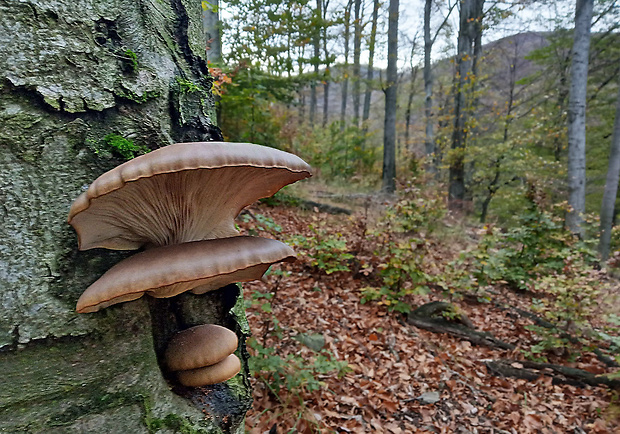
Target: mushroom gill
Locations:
point(180, 193)
point(199, 266)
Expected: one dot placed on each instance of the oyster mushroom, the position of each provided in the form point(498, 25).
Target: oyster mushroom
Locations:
point(180, 193)
point(199, 266)
point(203, 355)
point(222, 371)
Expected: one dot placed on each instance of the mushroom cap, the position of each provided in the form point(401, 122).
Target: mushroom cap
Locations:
point(200, 346)
point(199, 266)
point(180, 193)
point(222, 371)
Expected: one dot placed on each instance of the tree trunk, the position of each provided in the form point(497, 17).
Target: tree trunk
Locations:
point(327, 75)
point(429, 139)
point(468, 28)
point(71, 74)
point(212, 29)
point(345, 71)
point(611, 187)
point(357, 49)
point(391, 92)
point(577, 118)
point(371, 57)
point(316, 59)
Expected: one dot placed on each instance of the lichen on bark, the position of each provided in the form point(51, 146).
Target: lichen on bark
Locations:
point(66, 82)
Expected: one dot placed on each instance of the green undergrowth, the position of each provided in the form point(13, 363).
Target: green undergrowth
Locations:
point(400, 259)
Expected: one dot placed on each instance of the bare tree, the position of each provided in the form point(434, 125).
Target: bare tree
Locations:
point(429, 41)
point(212, 28)
point(316, 43)
point(345, 72)
point(357, 50)
point(391, 92)
point(370, 72)
point(470, 16)
point(611, 187)
point(577, 118)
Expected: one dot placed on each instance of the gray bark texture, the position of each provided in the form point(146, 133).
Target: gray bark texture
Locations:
point(71, 74)
point(391, 95)
point(212, 29)
point(577, 118)
point(370, 71)
point(470, 18)
point(611, 187)
point(429, 139)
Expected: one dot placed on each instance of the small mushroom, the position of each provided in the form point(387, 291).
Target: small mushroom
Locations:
point(180, 193)
point(203, 355)
point(199, 346)
point(199, 266)
point(222, 371)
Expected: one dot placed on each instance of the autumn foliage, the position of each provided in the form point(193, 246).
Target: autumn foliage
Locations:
point(333, 352)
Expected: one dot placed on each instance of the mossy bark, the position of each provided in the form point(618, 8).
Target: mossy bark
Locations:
point(71, 73)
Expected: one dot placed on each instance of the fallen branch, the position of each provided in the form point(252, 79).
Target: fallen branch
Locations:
point(420, 319)
point(322, 207)
point(559, 374)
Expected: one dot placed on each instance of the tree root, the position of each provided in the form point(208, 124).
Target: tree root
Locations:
point(425, 318)
point(559, 374)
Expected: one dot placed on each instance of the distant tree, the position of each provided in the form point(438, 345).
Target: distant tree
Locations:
point(429, 41)
point(412, 89)
point(577, 118)
point(316, 58)
point(345, 71)
point(391, 92)
point(470, 28)
point(370, 72)
point(357, 50)
point(611, 186)
point(212, 29)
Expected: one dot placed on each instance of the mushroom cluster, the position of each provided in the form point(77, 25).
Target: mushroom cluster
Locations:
point(203, 355)
point(179, 203)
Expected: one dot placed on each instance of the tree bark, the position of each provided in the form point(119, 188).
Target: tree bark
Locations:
point(345, 72)
point(391, 93)
point(212, 28)
point(468, 28)
point(72, 73)
point(357, 50)
point(577, 118)
point(327, 75)
point(370, 72)
point(611, 187)
point(429, 139)
point(316, 42)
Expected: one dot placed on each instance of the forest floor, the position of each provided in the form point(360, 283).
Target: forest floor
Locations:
point(399, 378)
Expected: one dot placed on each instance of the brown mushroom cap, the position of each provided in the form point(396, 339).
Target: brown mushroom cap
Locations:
point(200, 346)
point(222, 371)
point(180, 193)
point(199, 266)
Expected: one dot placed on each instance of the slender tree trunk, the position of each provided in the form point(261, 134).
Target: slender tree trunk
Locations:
point(345, 72)
point(412, 87)
point(462, 98)
point(327, 75)
point(370, 73)
point(212, 28)
point(391, 92)
point(429, 139)
point(577, 118)
point(357, 49)
point(316, 59)
point(611, 187)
